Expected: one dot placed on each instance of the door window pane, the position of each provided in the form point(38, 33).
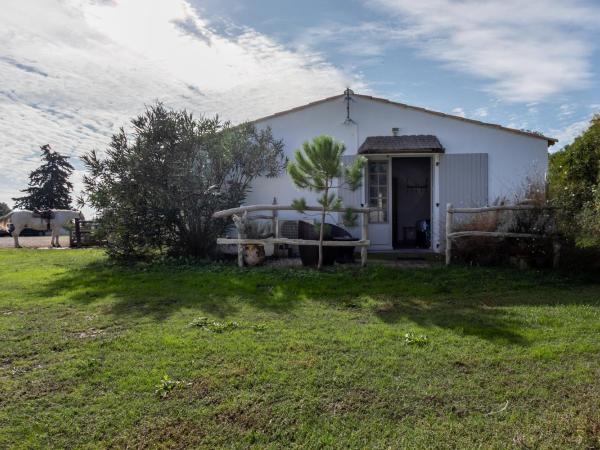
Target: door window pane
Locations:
point(378, 190)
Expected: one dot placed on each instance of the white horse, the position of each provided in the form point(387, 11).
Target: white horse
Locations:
point(25, 219)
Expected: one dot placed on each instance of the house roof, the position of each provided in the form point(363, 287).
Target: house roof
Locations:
point(420, 143)
point(549, 140)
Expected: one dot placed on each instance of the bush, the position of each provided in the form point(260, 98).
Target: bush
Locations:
point(574, 178)
point(481, 250)
point(157, 189)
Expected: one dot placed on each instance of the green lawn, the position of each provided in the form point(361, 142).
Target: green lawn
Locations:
point(296, 358)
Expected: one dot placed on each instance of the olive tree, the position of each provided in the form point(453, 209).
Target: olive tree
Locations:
point(157, 187)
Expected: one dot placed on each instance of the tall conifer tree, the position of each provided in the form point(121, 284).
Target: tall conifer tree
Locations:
point(49, 185)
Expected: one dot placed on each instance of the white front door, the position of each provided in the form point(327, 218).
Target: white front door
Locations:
point(378, 194)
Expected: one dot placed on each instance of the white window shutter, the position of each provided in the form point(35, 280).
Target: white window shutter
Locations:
point(463, 182)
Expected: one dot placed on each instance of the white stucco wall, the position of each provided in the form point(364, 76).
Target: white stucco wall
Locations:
point(513, 157)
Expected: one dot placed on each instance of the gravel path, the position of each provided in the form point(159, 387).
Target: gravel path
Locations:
point(32, 241)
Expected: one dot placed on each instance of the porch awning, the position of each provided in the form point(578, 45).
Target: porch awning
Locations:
point(419, 143)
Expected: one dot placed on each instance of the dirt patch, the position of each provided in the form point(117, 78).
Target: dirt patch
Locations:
point(90, 334)
point(173, 434)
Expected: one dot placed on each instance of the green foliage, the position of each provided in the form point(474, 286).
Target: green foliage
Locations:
point(4, 209)
point(318, 164)
point(574, 184)
point(316, 168)
point(299, 204)
point(350, 218)
point(165, 386)
point(419, 340)
point(49, 185)
point(158, 187)
point(590, 220)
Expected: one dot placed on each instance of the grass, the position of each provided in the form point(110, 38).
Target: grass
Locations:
point(95, 355)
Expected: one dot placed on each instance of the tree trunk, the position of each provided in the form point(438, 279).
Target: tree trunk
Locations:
point(321, 232)
point(320, 263)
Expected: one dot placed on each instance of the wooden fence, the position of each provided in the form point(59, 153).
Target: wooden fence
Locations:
point(363, 243)
point(450, 235)
point(83, 234)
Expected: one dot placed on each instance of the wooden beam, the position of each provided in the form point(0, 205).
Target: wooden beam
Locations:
point(365, 238)
point(251, 208)
point(502, 208)
point(449, 218)
point(458, 234)
point(240, 242)
point(240, 251)
point(556, 246)
point(275, 220)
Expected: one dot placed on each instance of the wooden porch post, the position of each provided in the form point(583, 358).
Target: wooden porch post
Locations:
point(449, 218)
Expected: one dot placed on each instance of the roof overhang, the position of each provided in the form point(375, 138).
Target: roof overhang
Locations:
point(420, 143)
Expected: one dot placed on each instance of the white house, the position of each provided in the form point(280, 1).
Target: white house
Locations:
point(418, 161)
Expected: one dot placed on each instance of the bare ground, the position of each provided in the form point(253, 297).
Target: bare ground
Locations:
point(32, 241)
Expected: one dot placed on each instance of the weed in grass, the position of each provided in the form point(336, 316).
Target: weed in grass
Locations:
point(213, 326)
point(258, 327)
point(87, 366)
point(165, 386)
point(419, 340)
point(219, 327)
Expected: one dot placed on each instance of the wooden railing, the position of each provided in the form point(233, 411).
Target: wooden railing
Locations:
point(363, 243)
point(450, 235)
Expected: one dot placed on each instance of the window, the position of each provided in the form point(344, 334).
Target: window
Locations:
point(378, 190)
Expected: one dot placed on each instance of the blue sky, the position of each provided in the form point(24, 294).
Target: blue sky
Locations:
point(73, 71)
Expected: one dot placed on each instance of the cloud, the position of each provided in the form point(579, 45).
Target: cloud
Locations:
point(568, 134)
point(189, 26)
point(362, 39)
point(527, 51)
point(73, 71)
point(566, 110)
point(458, 111)
point(482, 112)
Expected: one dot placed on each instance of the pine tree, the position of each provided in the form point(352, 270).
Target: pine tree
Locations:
point(49, 185)
point(316, 168)
point(4, 209)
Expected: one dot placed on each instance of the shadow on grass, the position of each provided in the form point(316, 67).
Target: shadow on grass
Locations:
point(471, 301)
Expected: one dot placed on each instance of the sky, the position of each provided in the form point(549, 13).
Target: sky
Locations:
point(72, 72)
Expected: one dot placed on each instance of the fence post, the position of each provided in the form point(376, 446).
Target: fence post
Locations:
point(240, 250)
point(364, 237)
point(275, 220)
point(449, 218)
point(78, 232)
point(556, 252)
